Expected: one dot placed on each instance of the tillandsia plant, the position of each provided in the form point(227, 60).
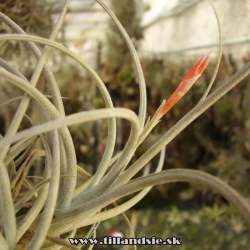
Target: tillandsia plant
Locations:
point(58, 208)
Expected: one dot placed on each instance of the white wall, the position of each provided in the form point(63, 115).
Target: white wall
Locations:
point(189, 25)
point(196, 27)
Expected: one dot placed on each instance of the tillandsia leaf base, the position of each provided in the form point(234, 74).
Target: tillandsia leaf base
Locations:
point(57, 208)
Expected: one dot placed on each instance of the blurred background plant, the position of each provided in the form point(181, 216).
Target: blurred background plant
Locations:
point(25, 14)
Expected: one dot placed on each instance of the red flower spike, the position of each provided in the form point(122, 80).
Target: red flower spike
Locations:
point(186, 84)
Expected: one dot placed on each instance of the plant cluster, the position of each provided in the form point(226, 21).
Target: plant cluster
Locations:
point(57, 207)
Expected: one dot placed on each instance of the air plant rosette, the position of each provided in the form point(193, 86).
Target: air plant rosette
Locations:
point(58, 207)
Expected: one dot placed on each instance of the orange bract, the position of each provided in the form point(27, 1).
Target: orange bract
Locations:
point(187, 82)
